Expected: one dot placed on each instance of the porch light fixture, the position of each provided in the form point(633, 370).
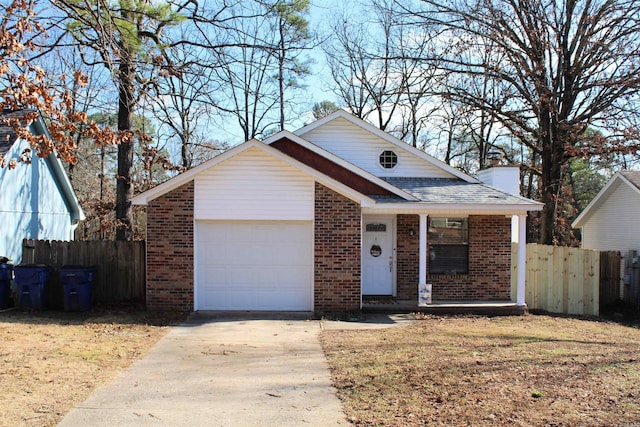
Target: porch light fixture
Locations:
point(412, 232)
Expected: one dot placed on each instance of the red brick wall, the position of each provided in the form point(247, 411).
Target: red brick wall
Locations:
point(337, 252)
point(407, 255)
point(170, 250)
point(489, 275)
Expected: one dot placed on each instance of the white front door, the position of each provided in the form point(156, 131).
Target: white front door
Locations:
point(378, 255)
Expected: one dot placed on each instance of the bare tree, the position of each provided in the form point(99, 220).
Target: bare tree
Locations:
point(375, 73)
point(124, 35)
point(362, 67)
point(567, 65)
point(183, 105)
point(245, 68)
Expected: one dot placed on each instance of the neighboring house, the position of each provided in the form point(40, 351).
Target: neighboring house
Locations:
point(318, 219)
point(610, 220)
point(36, 199)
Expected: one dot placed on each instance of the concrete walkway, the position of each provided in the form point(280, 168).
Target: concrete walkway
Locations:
point(222, 370)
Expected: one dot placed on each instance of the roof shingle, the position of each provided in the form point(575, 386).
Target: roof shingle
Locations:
point(447, 190)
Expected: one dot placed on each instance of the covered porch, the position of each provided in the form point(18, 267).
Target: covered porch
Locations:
point(478, 284)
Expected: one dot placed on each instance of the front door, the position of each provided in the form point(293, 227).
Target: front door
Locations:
point(378, 255)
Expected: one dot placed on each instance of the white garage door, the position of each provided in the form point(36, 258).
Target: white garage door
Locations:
point(254, 265)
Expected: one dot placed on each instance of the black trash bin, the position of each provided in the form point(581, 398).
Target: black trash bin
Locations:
point(32, 281)
point(6, 274)
point(77, 283)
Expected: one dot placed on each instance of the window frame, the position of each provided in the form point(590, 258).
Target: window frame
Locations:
point(455, 264)
point(389, 156)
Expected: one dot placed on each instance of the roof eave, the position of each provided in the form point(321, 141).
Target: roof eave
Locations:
point(467, 207)
point(55, 165)
point(593, 204)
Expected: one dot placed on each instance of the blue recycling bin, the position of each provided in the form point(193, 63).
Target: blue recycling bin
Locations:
point(32, 281)
point(77, 284)
point(6, 274)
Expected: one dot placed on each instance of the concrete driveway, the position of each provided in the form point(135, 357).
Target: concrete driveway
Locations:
point(222, 371)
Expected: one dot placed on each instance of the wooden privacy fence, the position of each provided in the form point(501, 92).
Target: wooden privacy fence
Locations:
point(120, 267)
point(569, 280)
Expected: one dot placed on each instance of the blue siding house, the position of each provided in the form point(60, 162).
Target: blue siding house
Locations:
point(37, 200)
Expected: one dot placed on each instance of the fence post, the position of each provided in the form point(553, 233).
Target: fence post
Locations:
point(28, 251)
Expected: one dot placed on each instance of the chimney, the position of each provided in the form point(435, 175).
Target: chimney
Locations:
point(503, 178)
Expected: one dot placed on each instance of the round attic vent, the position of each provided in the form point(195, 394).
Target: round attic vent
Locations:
point(388, 159)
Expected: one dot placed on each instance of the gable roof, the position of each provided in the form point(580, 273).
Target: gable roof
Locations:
point(629, 178)
point(8, 139)
point(340, 162)
point(342, 114)
point(173, 183)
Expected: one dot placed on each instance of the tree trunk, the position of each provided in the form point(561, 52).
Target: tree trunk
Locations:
point(281, 60)
point(124, 187)
point(552, 160)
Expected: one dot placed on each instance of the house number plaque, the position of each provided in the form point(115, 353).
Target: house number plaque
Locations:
point(375, 251)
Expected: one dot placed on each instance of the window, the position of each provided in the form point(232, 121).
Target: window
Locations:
point(388, 159)
point(448, 246)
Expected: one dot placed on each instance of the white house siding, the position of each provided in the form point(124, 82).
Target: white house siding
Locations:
point(362, 148)
point(31, 206)
point(504, 178)
point(253, 186)
point(614, 224)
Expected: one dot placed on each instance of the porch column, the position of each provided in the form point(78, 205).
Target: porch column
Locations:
point(522, 259)
point(422, 273)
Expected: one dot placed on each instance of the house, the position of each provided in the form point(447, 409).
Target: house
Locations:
point(37, 200)
point(319, 219)
point(610, 220)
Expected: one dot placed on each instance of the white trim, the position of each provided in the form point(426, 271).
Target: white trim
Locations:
point(452, 208)
point(600, 197)
point(38, 127)
point(381, 167)
point(522, 259)
point(341, 162)
point(313, 259)
point(388, 138)
point(172, 184)
point(422, 258)
point(195, 265)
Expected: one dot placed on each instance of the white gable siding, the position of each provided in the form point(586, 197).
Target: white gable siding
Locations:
point(614, 224)
point(362, 148)
point(253, 185)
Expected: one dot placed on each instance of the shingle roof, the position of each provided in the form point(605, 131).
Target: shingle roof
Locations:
point(447, 190)
point(7, 134)
point(632, 176)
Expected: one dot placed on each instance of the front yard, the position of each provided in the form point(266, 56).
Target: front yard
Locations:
point(52, 361)
point(478, 371)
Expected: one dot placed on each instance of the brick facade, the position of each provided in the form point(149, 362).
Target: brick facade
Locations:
point(170, 242)
point(489, 275)
point(407, 255)
point(336, 252)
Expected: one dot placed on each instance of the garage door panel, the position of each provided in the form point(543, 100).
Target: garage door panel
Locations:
point(262, 265)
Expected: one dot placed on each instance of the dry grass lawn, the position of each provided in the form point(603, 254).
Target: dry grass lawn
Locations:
point(52, 361)
point(479, 371)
